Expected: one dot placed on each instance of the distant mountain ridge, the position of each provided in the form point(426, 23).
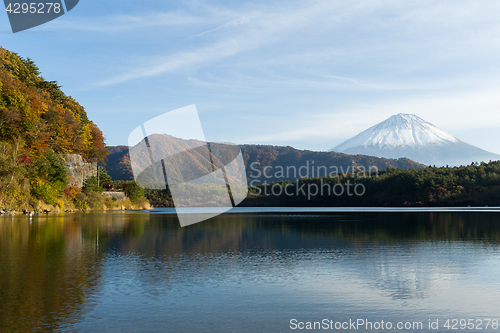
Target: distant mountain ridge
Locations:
point(258, 157)
point(406, 135)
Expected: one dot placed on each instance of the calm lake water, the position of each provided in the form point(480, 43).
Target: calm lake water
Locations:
point(142, 272)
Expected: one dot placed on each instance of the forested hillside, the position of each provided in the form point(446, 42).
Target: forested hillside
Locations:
point(36, 116)
point(39, 124)
point(258, 157)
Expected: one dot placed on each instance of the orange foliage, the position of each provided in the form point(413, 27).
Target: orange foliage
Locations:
point(72, 190)
point(41, 115)
point(99, 150)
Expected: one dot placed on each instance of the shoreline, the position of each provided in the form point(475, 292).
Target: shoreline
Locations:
point(57, 211)
point(320, 210)
point(269, 210)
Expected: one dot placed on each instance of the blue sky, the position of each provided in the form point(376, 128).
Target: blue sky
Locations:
point(309, 74)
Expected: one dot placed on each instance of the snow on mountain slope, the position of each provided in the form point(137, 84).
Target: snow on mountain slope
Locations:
point(406, 135)
point(405, 130)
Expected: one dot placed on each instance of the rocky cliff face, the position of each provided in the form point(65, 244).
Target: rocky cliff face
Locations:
point(78, 170)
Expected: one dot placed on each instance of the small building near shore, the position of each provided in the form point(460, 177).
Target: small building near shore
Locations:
point(118, 195)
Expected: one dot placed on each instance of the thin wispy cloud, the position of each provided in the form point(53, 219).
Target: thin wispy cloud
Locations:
point(272, 83)
point(303, 65)
point(240, 21)
point(181, 60)
point(125, 22)
point(265, 29)
point(258, 30)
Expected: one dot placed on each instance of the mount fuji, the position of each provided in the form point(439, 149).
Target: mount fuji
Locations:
point(406, 135)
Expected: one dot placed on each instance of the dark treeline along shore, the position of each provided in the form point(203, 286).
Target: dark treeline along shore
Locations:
point(472, 185)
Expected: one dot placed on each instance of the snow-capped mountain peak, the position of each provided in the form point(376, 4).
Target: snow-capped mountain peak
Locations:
point(406, 135)
point(401, 130)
